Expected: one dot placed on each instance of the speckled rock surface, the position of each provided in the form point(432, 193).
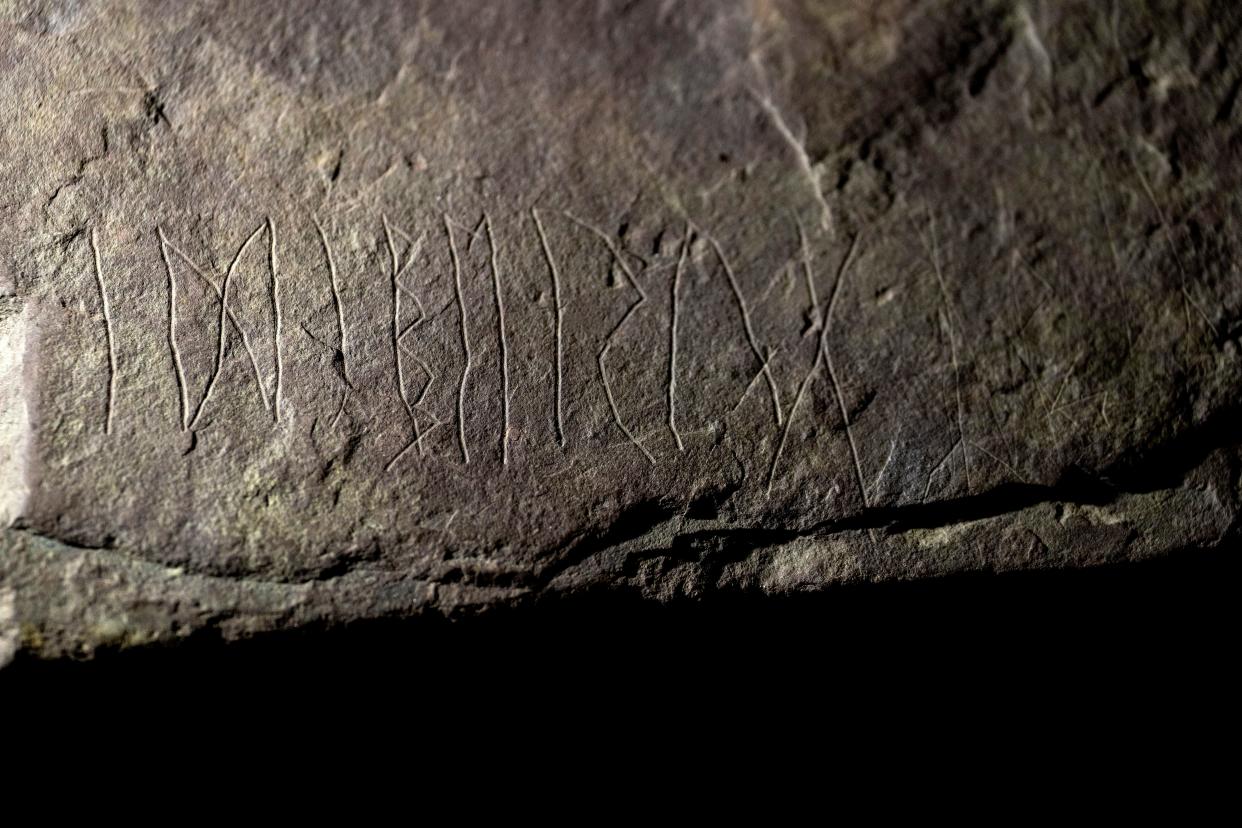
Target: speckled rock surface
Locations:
point(321, 312)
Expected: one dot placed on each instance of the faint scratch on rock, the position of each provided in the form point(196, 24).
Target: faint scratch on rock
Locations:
point(750, 331)
point(602, 356)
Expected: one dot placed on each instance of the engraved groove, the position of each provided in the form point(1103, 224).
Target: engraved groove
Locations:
point(232, 317)
point(223, 329)
point(111, 343)
point(465, 344)
point(672, 340)
point(602, 356)
point(340, 317)
point(178, 365)
point(947, 318)
point(504, 346)
point(751, 339)
point(556, 304)
point(821, 355)
point(277, 332)
point(397, 271)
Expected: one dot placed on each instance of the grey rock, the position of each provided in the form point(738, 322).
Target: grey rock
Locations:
point(321, 312)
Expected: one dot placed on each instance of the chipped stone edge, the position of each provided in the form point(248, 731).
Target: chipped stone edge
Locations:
point(61, 601)
point(15, 412)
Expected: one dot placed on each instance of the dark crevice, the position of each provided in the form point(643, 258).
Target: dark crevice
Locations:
point(1166, 465)
point(486, 578)
point(1224, 113)
point(1172, 602)
point(1008, 498)
point(632, 524)
point(1161, 468)
point(1076, 488)
point(153, 107)
point(346, 563)
point(1141, 472)
point(72, 541)
point(713, 548)
point(979, 77)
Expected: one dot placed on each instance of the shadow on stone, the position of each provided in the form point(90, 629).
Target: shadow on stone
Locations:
point(1156, 607)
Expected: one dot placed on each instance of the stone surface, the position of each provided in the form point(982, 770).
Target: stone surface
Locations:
point(322, 312)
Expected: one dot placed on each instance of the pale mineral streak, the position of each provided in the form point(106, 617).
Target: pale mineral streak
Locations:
point(14, 413)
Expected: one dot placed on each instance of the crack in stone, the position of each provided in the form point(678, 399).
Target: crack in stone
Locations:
point(1176, 459)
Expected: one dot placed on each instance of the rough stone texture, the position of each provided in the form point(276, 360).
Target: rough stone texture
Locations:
point(532, 298)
